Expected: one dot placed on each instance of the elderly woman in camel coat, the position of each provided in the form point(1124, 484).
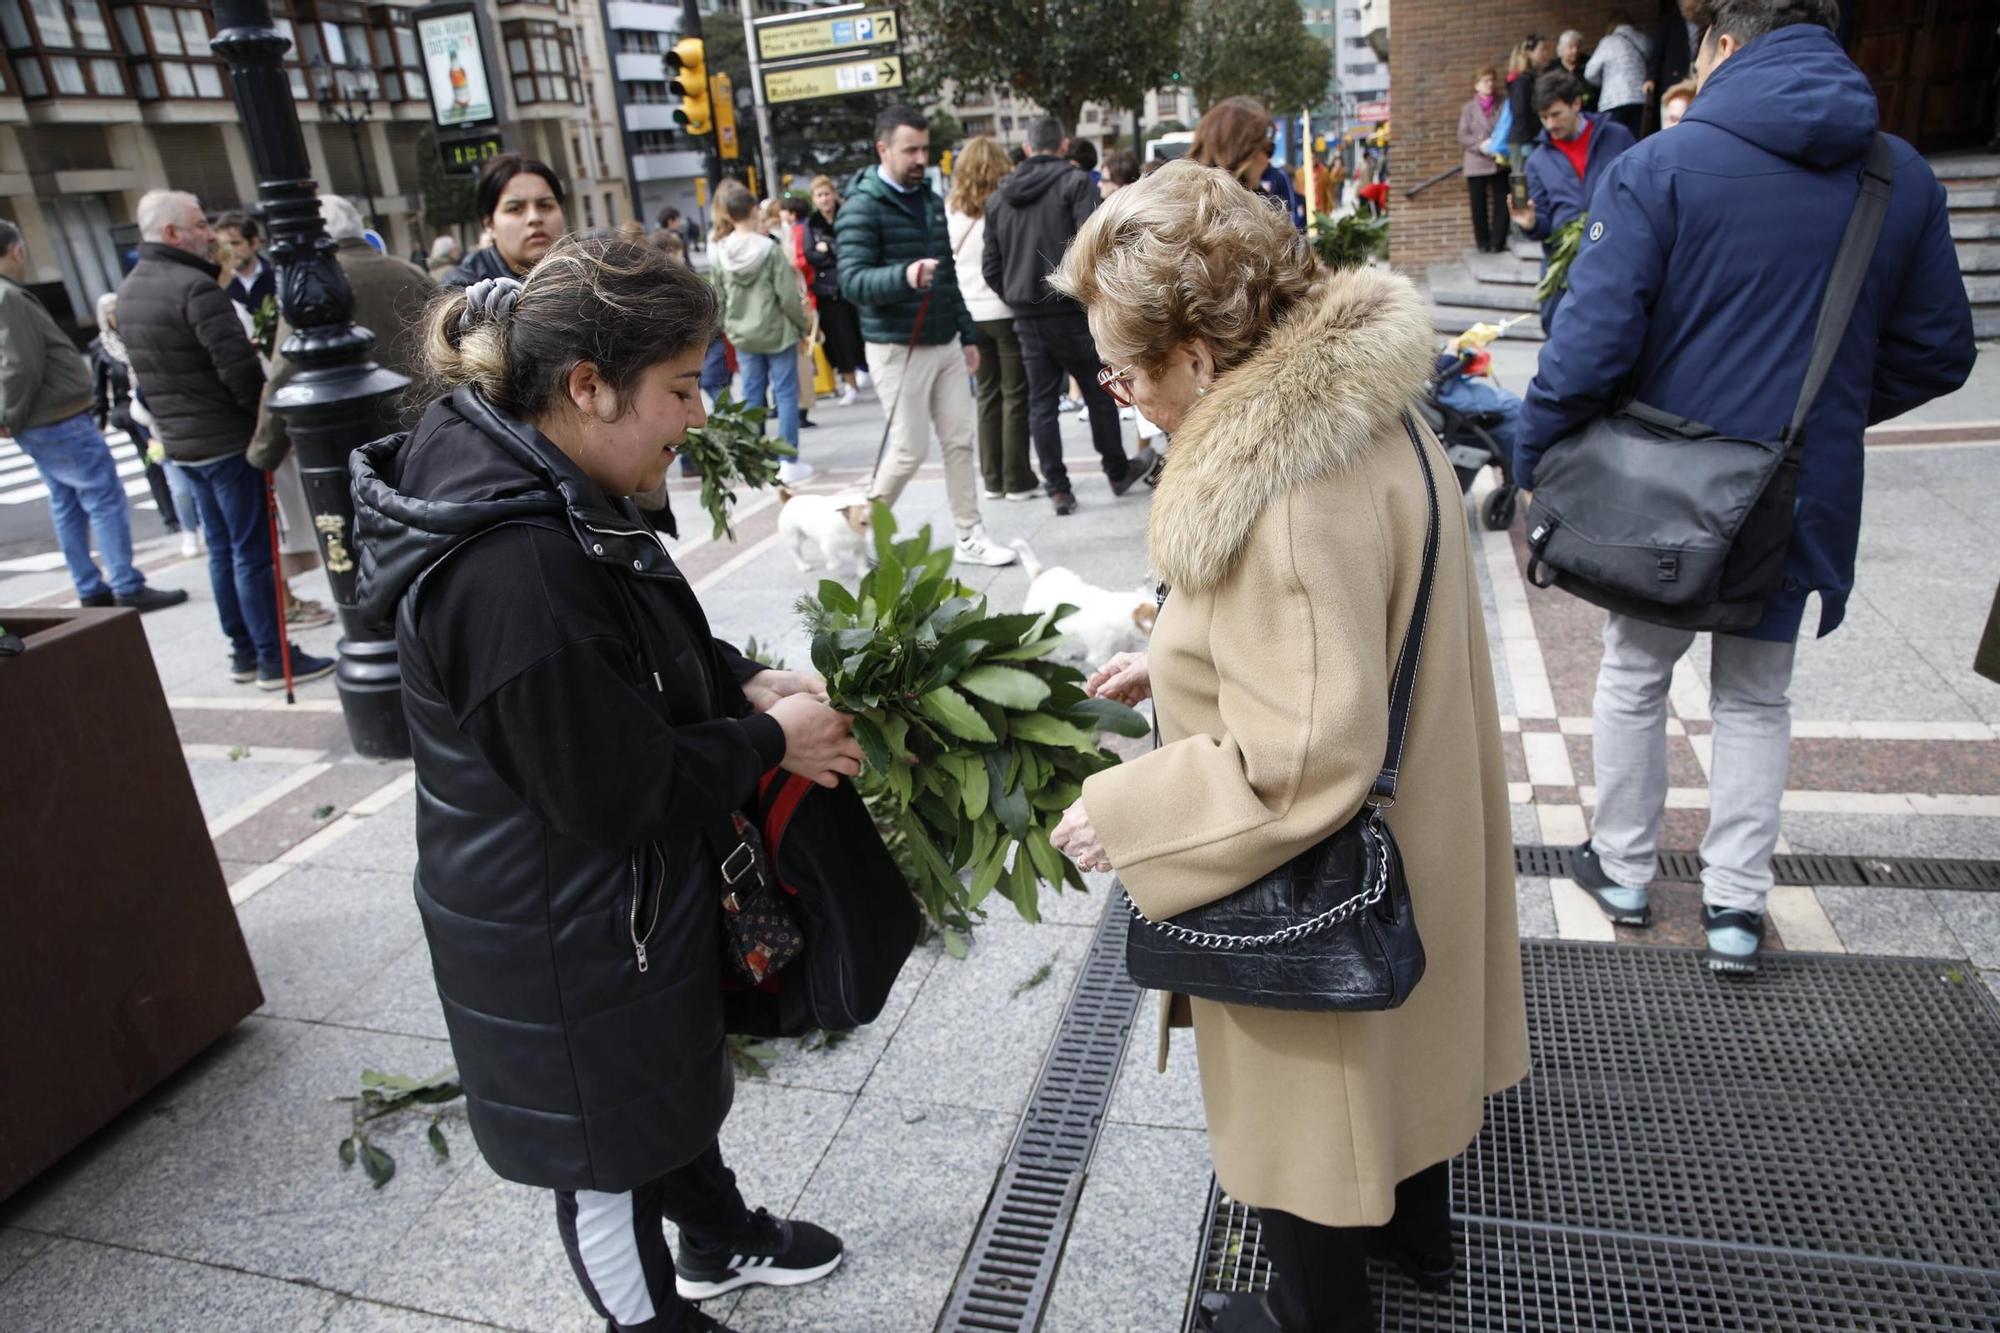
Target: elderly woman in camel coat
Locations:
point(1290, 527)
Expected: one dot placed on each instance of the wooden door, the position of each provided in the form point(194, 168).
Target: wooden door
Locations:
point(1933, 65)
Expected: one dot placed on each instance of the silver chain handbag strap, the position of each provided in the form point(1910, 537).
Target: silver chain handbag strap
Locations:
point(1331, 917)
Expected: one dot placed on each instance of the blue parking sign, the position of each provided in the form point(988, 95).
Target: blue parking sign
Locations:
point(864, 30)
point(843, 32)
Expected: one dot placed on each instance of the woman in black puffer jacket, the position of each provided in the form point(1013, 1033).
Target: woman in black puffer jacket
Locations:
point(581, 742)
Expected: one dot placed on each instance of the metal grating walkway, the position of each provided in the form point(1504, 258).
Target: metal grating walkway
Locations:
point(1882, 872)
point(1857, 1101)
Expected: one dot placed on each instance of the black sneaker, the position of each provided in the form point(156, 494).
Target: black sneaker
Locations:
point(1735, 938)
point(1236, 1312)
point(692, 1321)
point(1427, 1271)
point(1624, 905)
point(776, 1253)
point(153, 599)
point(305, 667)
point(1137, 470)
point(98, 599)
point(1064, 502)
point(243, 667)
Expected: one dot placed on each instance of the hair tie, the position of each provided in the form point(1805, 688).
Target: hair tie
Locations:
point(489, 298)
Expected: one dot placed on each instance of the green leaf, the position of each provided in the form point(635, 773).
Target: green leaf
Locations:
point(380, 1166)
point(954, 944)
point(347, 1151)
point(1106, 715)
point(1048, 862)
point(1028, 652)
point(836, 598)
point(874, 748)
point(1009, 687)
point(882, 527)
point(1040, 975)
point(438, 1145)
point(973, 789)
point(1049, 731)
point(949, 709)
point(995, 630)
point(1011, 806)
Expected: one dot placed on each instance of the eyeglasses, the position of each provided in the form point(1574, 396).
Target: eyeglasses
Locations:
point(1117, 383)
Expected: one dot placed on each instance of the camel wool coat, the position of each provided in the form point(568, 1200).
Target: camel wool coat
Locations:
point(1290, 526)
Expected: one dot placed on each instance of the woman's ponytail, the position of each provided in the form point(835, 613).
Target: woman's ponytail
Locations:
point(466, 340)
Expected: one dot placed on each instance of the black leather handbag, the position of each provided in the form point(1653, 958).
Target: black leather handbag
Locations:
point(1672, 522)
point(1332, 928)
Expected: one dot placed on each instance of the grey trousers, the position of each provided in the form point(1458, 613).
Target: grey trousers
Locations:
point(1748, 679)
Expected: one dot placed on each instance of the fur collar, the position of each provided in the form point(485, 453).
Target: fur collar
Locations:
point(1331, 380)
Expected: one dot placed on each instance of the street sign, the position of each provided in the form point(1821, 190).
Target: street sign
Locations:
point(807, 35)
point(802, 83)
point(1372, 113)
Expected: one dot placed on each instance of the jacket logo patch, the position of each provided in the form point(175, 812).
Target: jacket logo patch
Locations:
point(1597, 231)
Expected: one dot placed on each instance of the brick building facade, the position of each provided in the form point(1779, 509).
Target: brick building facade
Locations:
point(1436, 48)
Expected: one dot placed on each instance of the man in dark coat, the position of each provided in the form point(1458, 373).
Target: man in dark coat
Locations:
point(1030, 222)
point(1575, 149)
point(1672, 56)
point(896, 266)
point(202, 380)
point(1696, 291)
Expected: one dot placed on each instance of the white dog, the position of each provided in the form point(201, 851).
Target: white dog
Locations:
point(836, 524)
point(1104, 623)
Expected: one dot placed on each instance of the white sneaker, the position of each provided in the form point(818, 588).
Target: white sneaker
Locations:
point(848, 397)
point(974, 549)
point(1018, 496)
point(994, 495)
point(862, 378)
point(190, 544)
point(793, 474)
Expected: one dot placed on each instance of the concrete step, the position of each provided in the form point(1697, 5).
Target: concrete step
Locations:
point(1457, 319)
point(1975, 226)
point(1522, 248)
point(1961, 197)
point(1979, 258)
point(1982, 290)
point(1968, 167)
point(1503, 268)
point(1986, 321)
point(1452, 285)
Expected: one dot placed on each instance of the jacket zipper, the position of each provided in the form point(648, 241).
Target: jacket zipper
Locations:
point(622, 532)
point(638, 895)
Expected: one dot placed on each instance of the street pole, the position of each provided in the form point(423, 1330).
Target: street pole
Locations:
point(767, 154)
point(338, 397)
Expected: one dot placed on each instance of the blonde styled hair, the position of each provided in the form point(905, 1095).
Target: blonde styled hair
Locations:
point(1186, 253)
point(982, 164)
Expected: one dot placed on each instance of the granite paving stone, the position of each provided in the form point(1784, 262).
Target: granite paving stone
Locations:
point(253, 1181)
point(1535, 907)
point(991, 1002)
point(369, 1317)
point(306, 810)
point(845, 1066)
point(401, 998)
point(319, 936)
point(1133, 1243)
point(1893, 835)
point(903, 1185)
point(1974, 920)
point(221, 784)
point(17, 1247)
point(387, 843)
point(1145, 1096)
point(76, 1287)
point(1889, 921)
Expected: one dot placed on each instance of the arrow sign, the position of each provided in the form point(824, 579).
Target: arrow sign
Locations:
point(795, 38)
point(801, 83)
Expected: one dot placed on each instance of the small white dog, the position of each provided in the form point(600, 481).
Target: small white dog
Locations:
point(836, 524)
point(1104, 623)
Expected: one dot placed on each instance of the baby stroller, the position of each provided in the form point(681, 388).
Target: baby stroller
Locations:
point(1475, 420)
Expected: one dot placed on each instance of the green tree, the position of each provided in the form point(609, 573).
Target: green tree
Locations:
point(1057, 53)
point(1258, 48)
point(449, 202)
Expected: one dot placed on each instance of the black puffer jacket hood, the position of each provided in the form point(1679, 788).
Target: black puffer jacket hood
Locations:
point(570, 899)
point(1030, 222)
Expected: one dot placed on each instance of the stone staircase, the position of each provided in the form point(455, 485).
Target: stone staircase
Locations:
point(1972, 185)
point(1496, 287)
point(1489, 288)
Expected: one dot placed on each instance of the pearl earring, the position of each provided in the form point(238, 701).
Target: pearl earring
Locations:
point(1201, 391)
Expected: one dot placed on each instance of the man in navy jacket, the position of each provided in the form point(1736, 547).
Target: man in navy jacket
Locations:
point(1575, 149)
point(1696, 292)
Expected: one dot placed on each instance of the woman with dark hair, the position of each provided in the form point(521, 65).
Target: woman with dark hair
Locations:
point(581, 744)
point(1237, 135)
point(1485, 177)
point(521, 206)
point(839, 322)
point(1522, 66)
point(1121, 168)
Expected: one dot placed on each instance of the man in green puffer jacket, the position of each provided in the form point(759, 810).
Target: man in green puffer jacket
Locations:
point(896, 266)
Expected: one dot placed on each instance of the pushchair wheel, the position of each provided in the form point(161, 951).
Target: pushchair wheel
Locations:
point(1497, 513)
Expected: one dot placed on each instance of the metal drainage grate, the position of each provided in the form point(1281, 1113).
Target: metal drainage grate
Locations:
point(1011, 1265)
point(1888, 872)
point(1859, 1186)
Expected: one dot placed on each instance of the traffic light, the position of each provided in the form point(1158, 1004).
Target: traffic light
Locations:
point(687, 68)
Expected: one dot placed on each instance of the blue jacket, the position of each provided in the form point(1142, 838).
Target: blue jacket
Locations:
point(1698, 284)
point(1552, 183)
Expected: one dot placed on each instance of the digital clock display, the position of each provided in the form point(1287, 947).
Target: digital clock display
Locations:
point(467, 156)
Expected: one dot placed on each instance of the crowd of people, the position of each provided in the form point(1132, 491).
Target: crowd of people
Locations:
point(581, 753)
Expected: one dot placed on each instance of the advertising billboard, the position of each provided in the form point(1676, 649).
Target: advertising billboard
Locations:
point(455, 68)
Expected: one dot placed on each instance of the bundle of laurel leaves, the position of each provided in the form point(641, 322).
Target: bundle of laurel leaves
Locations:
point(731, 450)
point(1350, 240)
point(1562, 251)
point(975, 740)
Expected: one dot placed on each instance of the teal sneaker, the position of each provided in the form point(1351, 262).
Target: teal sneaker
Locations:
point(1625, 906)
point(1734, 938)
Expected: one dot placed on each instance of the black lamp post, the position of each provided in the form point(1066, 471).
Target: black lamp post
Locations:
point(338, 397)
point(343, 93)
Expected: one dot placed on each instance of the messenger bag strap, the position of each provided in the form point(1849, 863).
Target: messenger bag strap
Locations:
point(1850, 267)
point(1403, 685)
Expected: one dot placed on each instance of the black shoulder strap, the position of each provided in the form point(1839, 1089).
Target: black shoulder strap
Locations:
point(1843, 286)
point(1403, 686)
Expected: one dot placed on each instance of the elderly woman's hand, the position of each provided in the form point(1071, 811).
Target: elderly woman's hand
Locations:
point(1125, 679)
point(1076, 839)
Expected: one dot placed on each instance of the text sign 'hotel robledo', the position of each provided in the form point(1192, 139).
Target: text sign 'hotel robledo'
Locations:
point(796, 39)
point(800, 83)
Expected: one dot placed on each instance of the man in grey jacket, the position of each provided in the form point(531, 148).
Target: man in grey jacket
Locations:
point(203, 380)
point(45, 402)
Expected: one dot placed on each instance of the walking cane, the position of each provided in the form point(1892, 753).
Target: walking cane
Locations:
point(922, 308)
point(278, 580)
